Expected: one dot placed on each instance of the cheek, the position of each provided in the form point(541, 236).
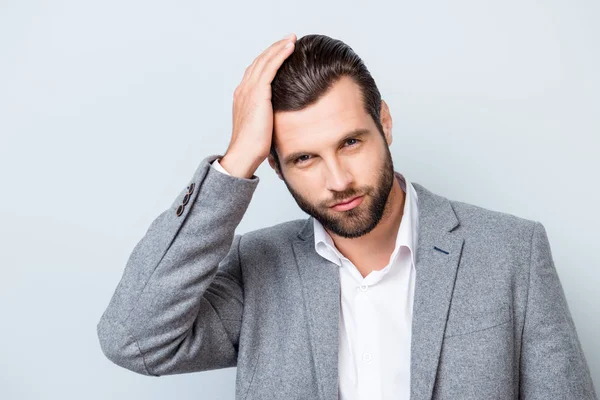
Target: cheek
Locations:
point(367, 160)
point(307, 187)
point(312, 191)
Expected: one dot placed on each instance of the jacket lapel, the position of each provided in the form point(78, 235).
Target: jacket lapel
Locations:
point(321, 291)
point(437, 256)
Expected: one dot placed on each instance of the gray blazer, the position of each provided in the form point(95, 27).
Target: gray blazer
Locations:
point(490, 319)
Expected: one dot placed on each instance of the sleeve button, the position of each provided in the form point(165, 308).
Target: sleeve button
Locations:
point(180, 210)
point(190, 188)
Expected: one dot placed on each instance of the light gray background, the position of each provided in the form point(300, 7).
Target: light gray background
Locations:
point(106, 109)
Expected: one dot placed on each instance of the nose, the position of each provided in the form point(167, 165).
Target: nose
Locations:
point(338, 178)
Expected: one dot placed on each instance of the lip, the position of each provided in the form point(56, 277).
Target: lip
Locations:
point(355, 201)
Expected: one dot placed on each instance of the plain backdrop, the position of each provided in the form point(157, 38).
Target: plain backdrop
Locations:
point(107, 108)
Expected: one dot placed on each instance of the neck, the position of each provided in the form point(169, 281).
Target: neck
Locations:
point(376, 247)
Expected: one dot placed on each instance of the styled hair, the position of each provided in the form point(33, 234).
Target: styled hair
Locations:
point(317, 62)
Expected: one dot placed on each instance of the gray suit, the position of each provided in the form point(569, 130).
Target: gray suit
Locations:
point(490, 319)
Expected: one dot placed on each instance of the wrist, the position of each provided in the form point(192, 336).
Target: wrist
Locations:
point(240, 167)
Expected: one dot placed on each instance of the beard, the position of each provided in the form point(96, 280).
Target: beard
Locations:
point(361, 219)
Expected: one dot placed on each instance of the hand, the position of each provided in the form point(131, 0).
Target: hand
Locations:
point(251, 138)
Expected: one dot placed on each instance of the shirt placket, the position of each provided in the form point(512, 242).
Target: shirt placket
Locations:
point(367, 357)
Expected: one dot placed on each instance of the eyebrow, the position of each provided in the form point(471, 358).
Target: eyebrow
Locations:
point(350, 135)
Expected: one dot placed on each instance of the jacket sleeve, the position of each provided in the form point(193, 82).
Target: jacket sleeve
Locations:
point(178, 306)
point(553, 365)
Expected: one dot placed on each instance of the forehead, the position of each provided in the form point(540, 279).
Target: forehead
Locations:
point(339, 111)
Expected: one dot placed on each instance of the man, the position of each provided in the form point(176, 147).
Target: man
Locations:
point(386, 291)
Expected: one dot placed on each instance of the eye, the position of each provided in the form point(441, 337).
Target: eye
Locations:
point(300, 159)
point(306, 157)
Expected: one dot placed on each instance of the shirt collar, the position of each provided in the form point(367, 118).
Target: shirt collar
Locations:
point(407, 233)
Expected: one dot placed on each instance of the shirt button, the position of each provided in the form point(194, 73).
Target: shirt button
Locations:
point(367, 357)
point(363, 288)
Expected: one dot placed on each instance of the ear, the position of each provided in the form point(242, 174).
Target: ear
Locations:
point(273, 165)
point(386, 121)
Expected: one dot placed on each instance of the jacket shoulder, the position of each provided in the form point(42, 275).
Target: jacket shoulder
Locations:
point(475, 219)
point(492, 225)
point(471, 213)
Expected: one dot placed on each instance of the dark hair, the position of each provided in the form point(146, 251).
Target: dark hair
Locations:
point(316, 63)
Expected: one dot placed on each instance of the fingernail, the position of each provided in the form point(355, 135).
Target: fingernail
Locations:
point(289, 36)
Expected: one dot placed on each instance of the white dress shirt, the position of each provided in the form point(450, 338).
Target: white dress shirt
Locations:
point(375, 312)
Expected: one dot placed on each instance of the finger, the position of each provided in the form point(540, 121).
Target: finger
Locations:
point(274, 48)
point(268, 55)
point(248, 71)
point(272, 66)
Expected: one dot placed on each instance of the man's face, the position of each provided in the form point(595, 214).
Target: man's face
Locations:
point(322, 164)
